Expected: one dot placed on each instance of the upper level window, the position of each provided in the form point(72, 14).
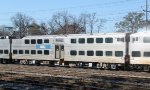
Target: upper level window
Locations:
point(26, 41)
point(134, 39)
point(73, 40)
point(46, 41)
point(99, 40)
point(146, 39)
point(15, 52)
point(81, 40)
point(33, 41)
point(136, 54)
point(90, 40)
point(20, 51)
point(108, 40)
point(120, 39)
point(39, 41)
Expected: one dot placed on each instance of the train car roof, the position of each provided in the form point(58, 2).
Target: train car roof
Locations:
point(74, 35)
point(142, 33)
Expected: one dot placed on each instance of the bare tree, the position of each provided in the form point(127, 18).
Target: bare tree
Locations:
point(21, 22)
point(64, 23)
point(44, 29)
point(131, 22)
point(92, 20)
point(83, 20)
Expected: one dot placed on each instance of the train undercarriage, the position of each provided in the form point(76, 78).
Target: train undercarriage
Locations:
point(79, 64)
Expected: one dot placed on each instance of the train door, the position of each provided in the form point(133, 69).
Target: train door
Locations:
point(59, 51)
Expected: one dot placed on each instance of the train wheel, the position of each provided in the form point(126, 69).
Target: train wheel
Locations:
point(146, 68)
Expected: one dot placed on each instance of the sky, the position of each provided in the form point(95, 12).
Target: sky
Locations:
point(41, 10)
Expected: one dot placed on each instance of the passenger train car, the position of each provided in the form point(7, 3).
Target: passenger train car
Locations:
point(105, 50)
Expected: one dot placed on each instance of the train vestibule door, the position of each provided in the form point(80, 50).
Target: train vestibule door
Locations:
point(59, 51)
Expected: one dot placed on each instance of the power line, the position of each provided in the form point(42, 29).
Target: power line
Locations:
point(75, 7)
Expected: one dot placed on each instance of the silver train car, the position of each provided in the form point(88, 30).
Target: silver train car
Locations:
point(105, 50)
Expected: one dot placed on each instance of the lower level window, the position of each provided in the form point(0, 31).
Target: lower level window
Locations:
point(136, 54)
point(46, 52)
point(108, 53)
point(5, 51)
point(90, 53)
point(146, 54)
point(73, 52)
point(118, 53)
point(33, 52)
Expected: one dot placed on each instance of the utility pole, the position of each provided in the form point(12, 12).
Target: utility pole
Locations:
point(146, 15)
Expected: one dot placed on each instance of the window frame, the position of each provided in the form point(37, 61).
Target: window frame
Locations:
point(119, 55)
point(90, 40)
point(109, 53)
point(81, 40)
point(33, 41)
point(46, 52)
point(137, 52)
point(33, 52)
point(101, 40)
point(39, 41)
point(27, 41)
point(99, 54)
point(15, 51)
point(73, 40)
point(108, 40)
point(73, 52)
point(90, 53)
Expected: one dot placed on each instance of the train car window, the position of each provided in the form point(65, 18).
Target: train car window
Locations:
point(15, 52)
point(26, 51)
point(1, 51)
point(73, 52)
point(136, 54)
point(39, 51)
point(20, 51)
point(5, 51)
point(90, 40)
point(90, 53)
point(146, 39)
point(99, 53)
point(81, 53)
point(46, 52)
point(33, 52)
point(39, 41)
point(81, 40)
point(135, 39)
point(108, 40)
point(108, 53)
point(146, 54)
point(118, 53)
point(27, 41)
point(99, 40)
point(33, 41)
point(73, 40)
point(46, 41)
point(120, 39)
